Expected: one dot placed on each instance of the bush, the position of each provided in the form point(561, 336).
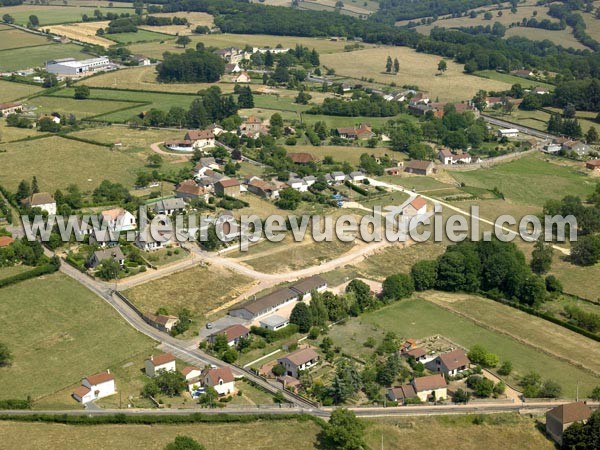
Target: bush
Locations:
point(396, 287)
point(505, 369)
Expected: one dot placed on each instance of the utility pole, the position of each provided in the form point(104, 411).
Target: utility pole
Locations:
point(577, 393)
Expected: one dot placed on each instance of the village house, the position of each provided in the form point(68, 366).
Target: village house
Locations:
point(119, 219)
point(298, 184)
point(180, 145)
point(310, 180)
point(232, 68)
point(363, 132)
point(169, 206)
point(274, 322)
point(10, 108)
point(423, 109)
point(419, 97)
point(141, 60)
point(335, 177)
point(418, 353)
point(416, 207)
point(262, 188)
point(243, 77)
point(42, 200)
point(395, 171)
point(162, 322)
point(299, 360)
point(523, 73)
point(229, 187)
point(155, 364)
point(357, 176)
point(189, 190)
point(252, 127)
point(507, 133)
point(221, 379)
point(560, 418)
point(401, 393)
point(231, 54)
point(190, 372)
point(103, 238)
point(448, 158)
point(216, 129)
point(209, 162)
point(232, 333)
point(289, 383)
point(552, 148)
point(593, 165)
point(95, 387)
point(450, 363)
point(540, 90)
point(200, 139)
point(419, 167)
point(430, 387)
point(99, 256)
point(146, 241)
point(578, 147)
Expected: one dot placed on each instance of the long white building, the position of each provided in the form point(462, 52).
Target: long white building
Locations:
point(70, 66)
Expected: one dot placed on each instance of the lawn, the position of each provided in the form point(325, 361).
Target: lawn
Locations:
point(341, 121)
point(58, 162)
point(144, 78)
point(13, 38)
point(80, 108)
point(55, 14)
point(60, 332)
point(10, 91)
point(498, 432)
point(213, 436)
point(199, 289)
point(130, 138)
point(415, 68)
point(322, 45)
point(417, 318)
point(577, 280)
point(564, 37)
point(545, 180)
point(139, 36)
point(25, 58)
point(6, 272)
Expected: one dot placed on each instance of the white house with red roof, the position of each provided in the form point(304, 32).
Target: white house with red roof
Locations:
point(415, 207)
point(233, 334)
point(95, 387)
point(221, 379)
point(155, 364)
point(118, 219)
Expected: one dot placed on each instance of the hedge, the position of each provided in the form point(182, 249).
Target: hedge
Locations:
point(33, 273)
point(154, 419)
point(15, 404)
point(271, 335)
point(356, 188)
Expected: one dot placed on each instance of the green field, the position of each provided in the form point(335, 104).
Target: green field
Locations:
point(6, 272)
point(80, 108)
point(508, 78)
point(339, 153)
point(55, 14)
point(214, 436)
point(25, 58)
point(147, 101)
point(139, 36)
point(13, 38)
point(60, 332)
point(10, 91)
point(83, 164)
point(545, 180)
point(417, 318)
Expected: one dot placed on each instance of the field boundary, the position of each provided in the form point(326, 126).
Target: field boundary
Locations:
point(518, 339)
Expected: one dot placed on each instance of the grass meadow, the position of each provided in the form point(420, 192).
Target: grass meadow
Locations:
point(10, 91)
point(84, 164)
point(138, 36)
point(55, 14)
point(13, 38)
point(81, 108)
point(418, 318)
point(27, 57)
point(59, 332)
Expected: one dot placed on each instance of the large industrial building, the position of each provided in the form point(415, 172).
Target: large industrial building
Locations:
point(70, 66)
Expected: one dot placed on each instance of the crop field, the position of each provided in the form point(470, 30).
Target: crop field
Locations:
point(81, 108)
point(52, 15)
point(198, 289)
point(415, 68)
point(322, 45)
point(81, 335)
point(546, 180)
point(10, 91)
point(213, 436)
point(83, 164)
point(13, 38)
point(84, 32)
point(498, 432)
point(25, 58)
point(144, 78)
point(418, 318)
point(194, 18)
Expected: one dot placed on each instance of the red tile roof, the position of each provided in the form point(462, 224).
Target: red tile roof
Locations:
point(429, 383)
point(418, 202)
point(214, 375)
point(100, 378)
point(5, 241)
point(159, 360)
point(233, 332)
point(454, 359)
point(571, 412)
point(80, 391)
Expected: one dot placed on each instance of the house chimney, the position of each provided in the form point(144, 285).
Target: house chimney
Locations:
point(107, 370)
point(151, 357)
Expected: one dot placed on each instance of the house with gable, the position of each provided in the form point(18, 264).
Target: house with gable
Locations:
point(299, 360)
point(155, 364)
point(450, 363)
point(95, 387)
point(221, 379)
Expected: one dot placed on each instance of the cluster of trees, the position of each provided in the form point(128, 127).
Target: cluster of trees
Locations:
point(6, 356)
point(534, 387)
point(22, 251)
point(544, 24)
point(497, 29)
point(184, 443)
point(192, 66)
point(121, 25)
point(583, 436)
point(484, 387)
point(586, 320)
point(155, 21)
point(566, 126)
point(391, 11)
point(168, 383)
point(581, 94)
point(565, 14)
point(97, 16)
point(361, 105)
point(108, 191)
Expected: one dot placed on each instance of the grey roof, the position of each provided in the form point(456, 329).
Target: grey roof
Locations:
point(308, 284)
point(170, 203)
point(357, 174)
point(274, 321)
point(269, 301)
point(338, 174)
point(114, 253)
